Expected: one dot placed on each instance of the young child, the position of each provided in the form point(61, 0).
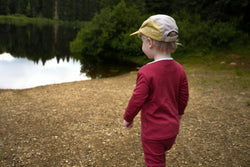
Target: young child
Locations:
point(161, 91)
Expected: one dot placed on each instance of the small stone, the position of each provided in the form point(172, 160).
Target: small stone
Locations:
point(223, 62)
point(233, 64)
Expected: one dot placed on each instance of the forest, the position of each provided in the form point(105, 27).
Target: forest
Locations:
point(53, 9)
point(216, 10)
point(204, 25)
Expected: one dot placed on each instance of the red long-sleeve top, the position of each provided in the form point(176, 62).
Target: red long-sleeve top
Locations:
point(161, 94)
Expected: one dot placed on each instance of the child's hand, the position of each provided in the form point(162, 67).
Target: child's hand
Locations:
point(127, 125)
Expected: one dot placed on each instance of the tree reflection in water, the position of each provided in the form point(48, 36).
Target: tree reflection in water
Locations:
point(41, 43)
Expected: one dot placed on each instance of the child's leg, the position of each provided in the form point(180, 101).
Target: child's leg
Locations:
point(154, 151)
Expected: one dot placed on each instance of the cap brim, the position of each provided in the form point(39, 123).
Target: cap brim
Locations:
point(137, 32)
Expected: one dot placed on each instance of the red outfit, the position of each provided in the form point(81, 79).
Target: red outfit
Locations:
point(161, 94)
point(154, 151)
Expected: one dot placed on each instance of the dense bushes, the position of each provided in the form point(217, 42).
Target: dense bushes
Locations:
point(201, 37)
point(107, 34)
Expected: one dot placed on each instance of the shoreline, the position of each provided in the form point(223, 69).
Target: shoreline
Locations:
point(80, 123)
point(69, 82)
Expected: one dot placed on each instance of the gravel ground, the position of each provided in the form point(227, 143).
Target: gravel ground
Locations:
point(80, 124)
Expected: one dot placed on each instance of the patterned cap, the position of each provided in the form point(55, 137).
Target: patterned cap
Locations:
point(158, 28)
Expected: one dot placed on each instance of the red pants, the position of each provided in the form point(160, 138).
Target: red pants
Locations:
point(154, 151)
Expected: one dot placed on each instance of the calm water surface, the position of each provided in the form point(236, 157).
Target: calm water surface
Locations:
point(20, 73)
point(34, 55)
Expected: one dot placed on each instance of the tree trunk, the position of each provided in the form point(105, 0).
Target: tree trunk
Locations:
point(56, 11)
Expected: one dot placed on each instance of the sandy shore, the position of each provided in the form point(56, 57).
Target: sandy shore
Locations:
point(80, 124)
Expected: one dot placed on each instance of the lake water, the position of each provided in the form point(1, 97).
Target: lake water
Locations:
point(20, 73)
point(32, 55)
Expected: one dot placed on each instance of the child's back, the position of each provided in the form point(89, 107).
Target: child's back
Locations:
point(161, 105)
point(161, 91)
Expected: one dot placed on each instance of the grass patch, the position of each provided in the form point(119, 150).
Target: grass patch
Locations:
point(218, 60)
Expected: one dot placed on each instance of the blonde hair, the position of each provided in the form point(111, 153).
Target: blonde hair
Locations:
point(165, 46)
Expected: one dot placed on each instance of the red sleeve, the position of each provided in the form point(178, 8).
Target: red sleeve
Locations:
point(183, 96)
point(138, 98)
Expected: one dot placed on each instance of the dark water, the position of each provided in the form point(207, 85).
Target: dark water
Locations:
point(33, 55)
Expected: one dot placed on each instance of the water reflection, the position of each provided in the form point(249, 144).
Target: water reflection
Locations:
point(37, 43)
point(38, 48)
point(19, 73)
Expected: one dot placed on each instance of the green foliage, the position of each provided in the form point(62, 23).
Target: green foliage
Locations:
point(63, 9)
point(200, 37)
point(28, 11)
point(4, 8)
point(108, 33)
point(204, 25)
point(19, 19)
point(138, 4)
point(159, 6)
point(222, 34)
